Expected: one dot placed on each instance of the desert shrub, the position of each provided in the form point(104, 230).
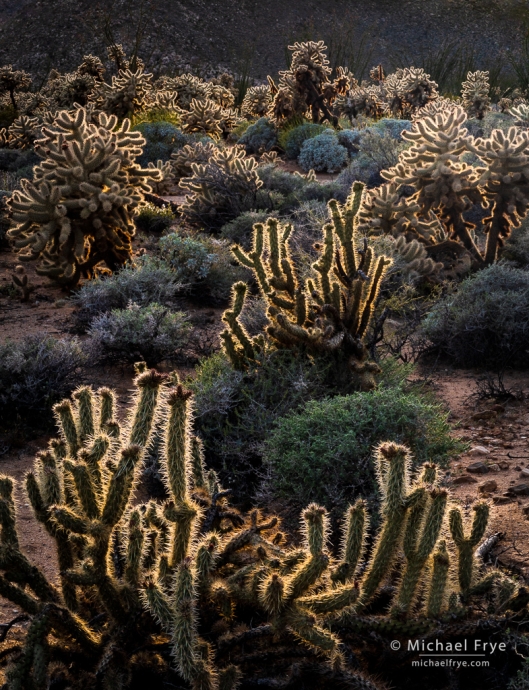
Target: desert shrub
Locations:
point(486, 322)
point(350, 140)
point(5, 223)
point(316, 191)
point(261, 136)
point(516, 248)
point(162, 139)
point(362, 169)
point(324, 451)
point(253, 316)
point(203, 263)
point(391, 126)
point(17, 160)
point(152, 218)
point(381, 147)
point(235, 411)
point(277, 180)
point(151, 334)
point(323, 153)
point(143, 283)
point(239, 230)
point(36, 372)
point(291, 140)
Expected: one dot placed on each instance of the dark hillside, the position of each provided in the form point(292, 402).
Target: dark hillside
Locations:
point(36, 34)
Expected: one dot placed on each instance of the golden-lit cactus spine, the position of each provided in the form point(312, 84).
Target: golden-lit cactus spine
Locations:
point(330, 313)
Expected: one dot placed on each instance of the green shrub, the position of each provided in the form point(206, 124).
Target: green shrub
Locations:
point(161, 140)
point(239, 230)
point(291, 140)
point(516, 248)
point(203, 263)
point(486, 322)
point(36, 372)
point(323, 153)
point(151, 333)
point(151, 218)
point(144, 283)
point(324, 451)
point(261, 136)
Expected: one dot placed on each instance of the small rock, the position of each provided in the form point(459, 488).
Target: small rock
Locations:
point(59, 303)
point(508, 445)
point(494, 467)
point(501, 500)
point(488, 486)
point(500, 409)
point(504, 465)
point(521, 489)
point(517, 468)
point(478, 468)
point(479, 450)
point(525, 472)
point(464, 479)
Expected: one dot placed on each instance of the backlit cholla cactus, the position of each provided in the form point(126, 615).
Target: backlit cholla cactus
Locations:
point(203, 117)
point(329, 314)
point(432, 108)
point(126, 95)
point(77, 211)
point(504, 182)
point(23, 132)
point(475, 94)
point(221, 95)
point(407, 90)
point(360, 100)
point(166, 100)
point(443, 183)
point(521, 113)
point(166, 181)
point(190, 88)
point(257, 101)
point(12, 81)
point(305, 87)
point(182, 160)
point(222, 188)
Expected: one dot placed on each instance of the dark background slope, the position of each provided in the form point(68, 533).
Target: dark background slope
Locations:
point(35, 34)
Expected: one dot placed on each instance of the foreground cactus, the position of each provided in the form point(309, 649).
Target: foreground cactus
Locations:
point(77, 212)
point(191, 592)
point(329, 315)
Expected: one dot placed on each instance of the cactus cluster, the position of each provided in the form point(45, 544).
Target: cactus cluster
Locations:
point(446, 187)
point(475, 94)
point(77, 211)
point(329, 314)
point(193, 588)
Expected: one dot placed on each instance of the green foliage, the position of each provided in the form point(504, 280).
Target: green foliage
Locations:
point(323, 153)
point(260, 136)
point(35, 372)
point(291, 139)
point(161, 140)
point(323, 452)
point(152, 218)
point(239, 230)
point(203, 264)
point(151, 333)
point(143, 283)
point(486, 322)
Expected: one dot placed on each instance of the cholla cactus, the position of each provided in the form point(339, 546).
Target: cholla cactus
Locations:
point(23, 132)
point(77, 211)
point(431, 109)
point(521, 113)
point(190, 88)
point(203, 117)
point(505, 183)
point(93, 66)
point(12, 81)
point(360, 100)
point(167, 100)
point(222, 590)
point(330, 314)
point(306, 85)
point(166, 181)
point(475, 94)
point(222, 188)
point(257, 101)
point(432, 165)
point(182, 160)
point(407, 90)
point(127, 94)
point(221, 95)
